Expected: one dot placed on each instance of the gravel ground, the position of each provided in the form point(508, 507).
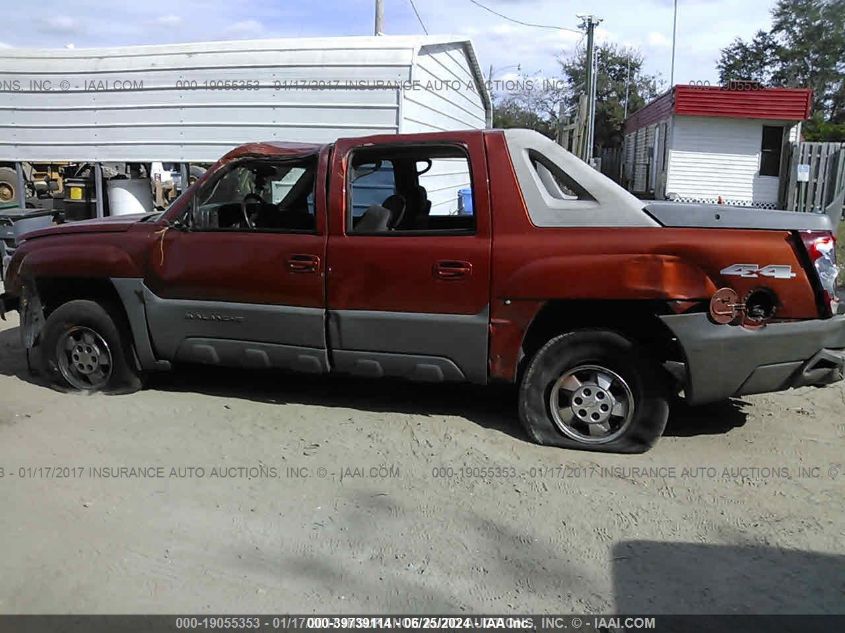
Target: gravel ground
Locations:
point(737, 509)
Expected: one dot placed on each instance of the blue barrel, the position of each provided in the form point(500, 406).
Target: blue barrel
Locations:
point(465, 201)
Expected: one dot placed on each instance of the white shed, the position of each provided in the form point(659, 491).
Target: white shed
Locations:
point(714, 144)
point(194, 102)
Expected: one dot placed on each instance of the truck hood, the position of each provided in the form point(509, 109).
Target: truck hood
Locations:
point(718, 216)
point(113, 224)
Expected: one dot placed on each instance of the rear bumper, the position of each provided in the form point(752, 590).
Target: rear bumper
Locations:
point(724, 360)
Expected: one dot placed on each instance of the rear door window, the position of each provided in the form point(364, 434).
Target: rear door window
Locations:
point(409, 190)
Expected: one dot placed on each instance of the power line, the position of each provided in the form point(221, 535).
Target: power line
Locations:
point(414, 7)
point(514, 20)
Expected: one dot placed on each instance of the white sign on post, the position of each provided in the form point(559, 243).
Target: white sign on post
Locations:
point(803, 174)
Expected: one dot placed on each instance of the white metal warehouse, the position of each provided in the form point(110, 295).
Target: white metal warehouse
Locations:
point(194, 102)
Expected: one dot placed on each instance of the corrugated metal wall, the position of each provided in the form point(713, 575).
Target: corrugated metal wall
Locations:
point(442, 182)
point(643, 143)
point(171, 102)
point(445, 97)
point(445, 94)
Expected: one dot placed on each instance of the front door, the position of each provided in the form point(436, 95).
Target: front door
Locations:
point(409, 258)
point(244, 283)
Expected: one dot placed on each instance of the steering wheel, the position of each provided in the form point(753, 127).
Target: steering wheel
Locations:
point(244, 202)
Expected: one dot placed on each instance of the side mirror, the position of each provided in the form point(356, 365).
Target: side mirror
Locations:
point(178, 225)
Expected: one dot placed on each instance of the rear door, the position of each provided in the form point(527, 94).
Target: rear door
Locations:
point(409, 257)
point(244, 284)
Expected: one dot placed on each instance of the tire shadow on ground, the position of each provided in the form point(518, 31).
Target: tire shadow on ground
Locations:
point(13, 357)
point(493, 407)
point(717, 418)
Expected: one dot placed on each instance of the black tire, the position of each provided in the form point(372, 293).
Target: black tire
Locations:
point(646, 389)
point(8, 185)
point(89, 316)
point(195, 172)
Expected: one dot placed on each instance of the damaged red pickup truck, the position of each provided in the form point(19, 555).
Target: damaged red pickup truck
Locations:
point(477, 256)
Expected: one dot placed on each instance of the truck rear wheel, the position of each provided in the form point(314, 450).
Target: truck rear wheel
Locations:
point(82, 347)
point(595, 390)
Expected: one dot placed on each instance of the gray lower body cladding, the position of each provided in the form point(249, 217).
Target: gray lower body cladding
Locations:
point(428, 347)
point(409, 366)
point(223, 333)
point(724, 361)
point(252, 355)
point(424, 347)
point(131, 293)
point(171, 321)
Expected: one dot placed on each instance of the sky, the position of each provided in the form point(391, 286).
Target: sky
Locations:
point(704, 26)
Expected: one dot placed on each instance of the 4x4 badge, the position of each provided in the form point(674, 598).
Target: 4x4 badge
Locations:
point(752, 271)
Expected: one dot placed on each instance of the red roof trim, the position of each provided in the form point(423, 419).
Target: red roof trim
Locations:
point(778, 104)
point(652, 112)
point(781, 104)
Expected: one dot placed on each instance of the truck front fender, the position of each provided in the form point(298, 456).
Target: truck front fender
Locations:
point(73, 261)
point(78, 260)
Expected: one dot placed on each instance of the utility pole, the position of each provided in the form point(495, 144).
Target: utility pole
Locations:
point(627, 87)
point(674, 36)
point(589, 22)
point(379, 26)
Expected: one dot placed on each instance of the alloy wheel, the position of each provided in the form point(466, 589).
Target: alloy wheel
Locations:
point(84, 358)
point(591, 404)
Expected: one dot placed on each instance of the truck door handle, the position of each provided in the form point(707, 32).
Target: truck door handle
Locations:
point(303, 263)
point(449, 269)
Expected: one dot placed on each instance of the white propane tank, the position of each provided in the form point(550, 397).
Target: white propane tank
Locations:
point(130, 195)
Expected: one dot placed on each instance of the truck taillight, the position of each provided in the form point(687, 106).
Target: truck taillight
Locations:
point(821, 247)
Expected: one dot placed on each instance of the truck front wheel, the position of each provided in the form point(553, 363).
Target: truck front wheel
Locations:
point(596, 390)
point(82, 347)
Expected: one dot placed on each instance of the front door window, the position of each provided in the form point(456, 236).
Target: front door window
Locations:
point(259, 195)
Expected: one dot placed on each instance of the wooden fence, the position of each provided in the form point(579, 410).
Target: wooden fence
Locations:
point(611, 163)
point(826, 165)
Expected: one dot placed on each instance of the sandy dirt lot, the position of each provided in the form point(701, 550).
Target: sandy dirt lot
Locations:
point(372, 497)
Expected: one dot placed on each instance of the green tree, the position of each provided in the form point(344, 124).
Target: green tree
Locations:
point(613, 78)
point(748, 60)
point(536, 104)
point(533, 104)
point(512, 111)
point(804, 48)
